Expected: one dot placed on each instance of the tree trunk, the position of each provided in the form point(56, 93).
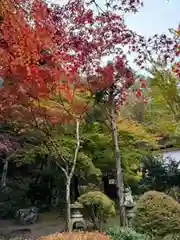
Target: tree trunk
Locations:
point(70, 175)
point(119, 171)
point(76, 189)
point(4, 174)
point(68, 204)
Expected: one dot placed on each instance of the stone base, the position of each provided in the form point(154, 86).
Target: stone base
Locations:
point(78, 223)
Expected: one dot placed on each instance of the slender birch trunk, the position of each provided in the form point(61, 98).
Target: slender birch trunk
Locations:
point(69, 178)
point(4, 174)
point(68, 204)
point(119, 170)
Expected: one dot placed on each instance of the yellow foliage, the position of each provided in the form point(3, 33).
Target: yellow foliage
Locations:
point(58, 106)
point(162, 111)
point(137, 130)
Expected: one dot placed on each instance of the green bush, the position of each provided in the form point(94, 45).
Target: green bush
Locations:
point(11, 199)
point(125, 234)
point(88, 188)
point(98, 206)
point(157, 214)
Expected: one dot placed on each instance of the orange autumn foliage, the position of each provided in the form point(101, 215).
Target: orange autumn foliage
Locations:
point(30, 64)
point(76, 236)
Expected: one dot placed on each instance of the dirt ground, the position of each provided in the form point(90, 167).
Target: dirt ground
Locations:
point(47, 224)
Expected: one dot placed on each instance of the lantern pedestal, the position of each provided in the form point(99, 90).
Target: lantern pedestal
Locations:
point(129, 214)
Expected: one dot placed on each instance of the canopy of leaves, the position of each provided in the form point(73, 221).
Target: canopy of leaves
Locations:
point(97, 142)
point(156, 117)
point(136, 130)
point(159, 174)
point(161, 113)
point(159, 117)
point(167, 84)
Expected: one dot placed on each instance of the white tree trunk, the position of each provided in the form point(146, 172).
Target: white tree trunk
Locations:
point(69, 178)
point(119, 171)
point(68, 204)
point(4, 174)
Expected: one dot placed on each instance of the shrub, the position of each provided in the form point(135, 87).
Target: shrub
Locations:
point(125, 234)
point(76, 236)
point(11, 200)
point(157, 214)
point(98, 206)
point(88, 188)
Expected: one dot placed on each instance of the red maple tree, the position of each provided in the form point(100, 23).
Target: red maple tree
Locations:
point(176, 67)
point(51, 51)
point(41, 45)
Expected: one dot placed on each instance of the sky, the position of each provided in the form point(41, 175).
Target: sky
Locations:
point(157, 16)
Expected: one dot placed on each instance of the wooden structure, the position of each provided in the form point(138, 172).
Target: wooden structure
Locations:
point(110, 188)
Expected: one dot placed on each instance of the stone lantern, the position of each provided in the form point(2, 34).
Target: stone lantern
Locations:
point(77, 220)
point(27, 215)
point(129, 204)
